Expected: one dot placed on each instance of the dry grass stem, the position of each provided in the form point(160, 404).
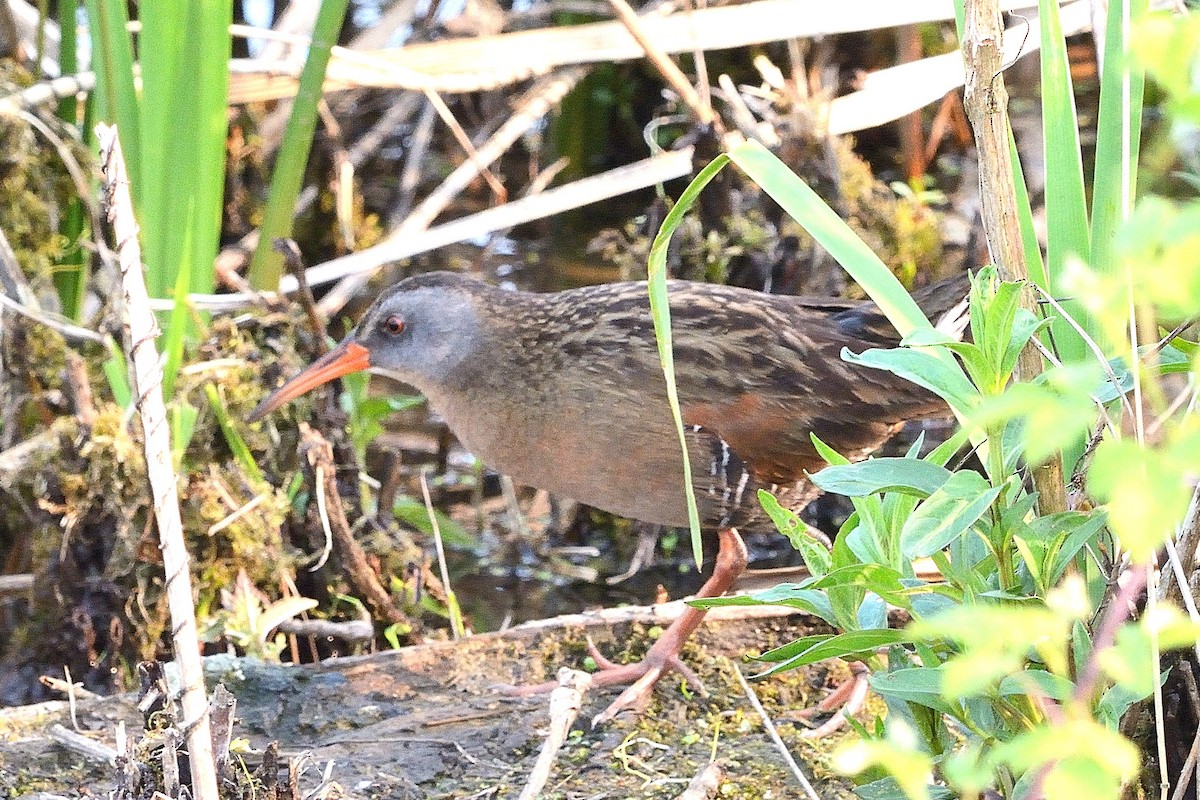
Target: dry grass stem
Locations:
point(543, 97)
point(491, 62)
point(668, 69)
point(801, 778)
point(456, 625)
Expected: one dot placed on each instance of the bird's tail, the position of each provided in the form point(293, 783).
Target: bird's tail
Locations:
point(946, 304)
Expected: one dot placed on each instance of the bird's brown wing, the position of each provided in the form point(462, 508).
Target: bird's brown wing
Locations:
point(776, 377)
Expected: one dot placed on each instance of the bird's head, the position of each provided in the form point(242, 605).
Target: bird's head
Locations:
point(418, 330)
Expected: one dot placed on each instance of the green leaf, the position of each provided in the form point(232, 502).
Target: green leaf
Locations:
point(1056, 411)
point(1072, 778)
point(1130, 661)
point(907, 475)
point(883, 580)
point(947, 514)
point(889, 789)
point(816, 557)
point(1045, 683)
point(1115, 701)
point(1076, 738)
point(996, 309)
point(897, 754)
point(1118, 133)
point(1024, 328)
point(1072, 531)
point(1146, 490)
point(831, 456)
point(921, 685)
point(792, 595)
point(811, 649)
point(975, 672)
point(183, 49)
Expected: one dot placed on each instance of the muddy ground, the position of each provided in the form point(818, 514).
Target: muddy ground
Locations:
point(427, 721)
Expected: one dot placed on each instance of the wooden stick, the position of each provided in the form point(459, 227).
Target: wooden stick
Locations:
point(986, 101)
point(319, 453)
point(78, 743)
point(141, 330)
point(565, 702)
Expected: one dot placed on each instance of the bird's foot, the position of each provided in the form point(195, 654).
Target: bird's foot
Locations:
point(660, 659)
point(663, 655)
point(641, 677)
point(848, 699)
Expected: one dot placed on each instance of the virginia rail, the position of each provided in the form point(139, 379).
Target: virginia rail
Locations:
point(564, 391)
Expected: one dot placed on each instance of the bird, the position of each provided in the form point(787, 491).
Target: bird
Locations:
point(565, 391)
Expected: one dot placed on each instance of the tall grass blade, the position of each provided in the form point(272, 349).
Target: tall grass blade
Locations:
point(237, 445)
point(1067, 234)
point(660, 310)
point(1034, 263)
point(70, 273)
point(1118, 133)
point(267, 265)
point(68, 56)
point(831, 232)
point(173, 348)
point(116, 99)
point(185, 49)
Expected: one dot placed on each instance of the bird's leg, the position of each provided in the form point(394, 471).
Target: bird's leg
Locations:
point(663, 655)
point(847, 699)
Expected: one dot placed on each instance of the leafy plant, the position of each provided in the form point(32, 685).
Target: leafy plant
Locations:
point(1021, 660)
point(248, 617)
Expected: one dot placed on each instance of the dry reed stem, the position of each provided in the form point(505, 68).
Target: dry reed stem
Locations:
point(668, 69)
point(544, 96)
point(141, 330)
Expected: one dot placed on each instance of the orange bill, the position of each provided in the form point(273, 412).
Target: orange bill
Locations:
point(347, 357)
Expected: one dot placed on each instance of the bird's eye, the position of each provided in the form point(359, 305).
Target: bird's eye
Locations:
point(393, 325)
